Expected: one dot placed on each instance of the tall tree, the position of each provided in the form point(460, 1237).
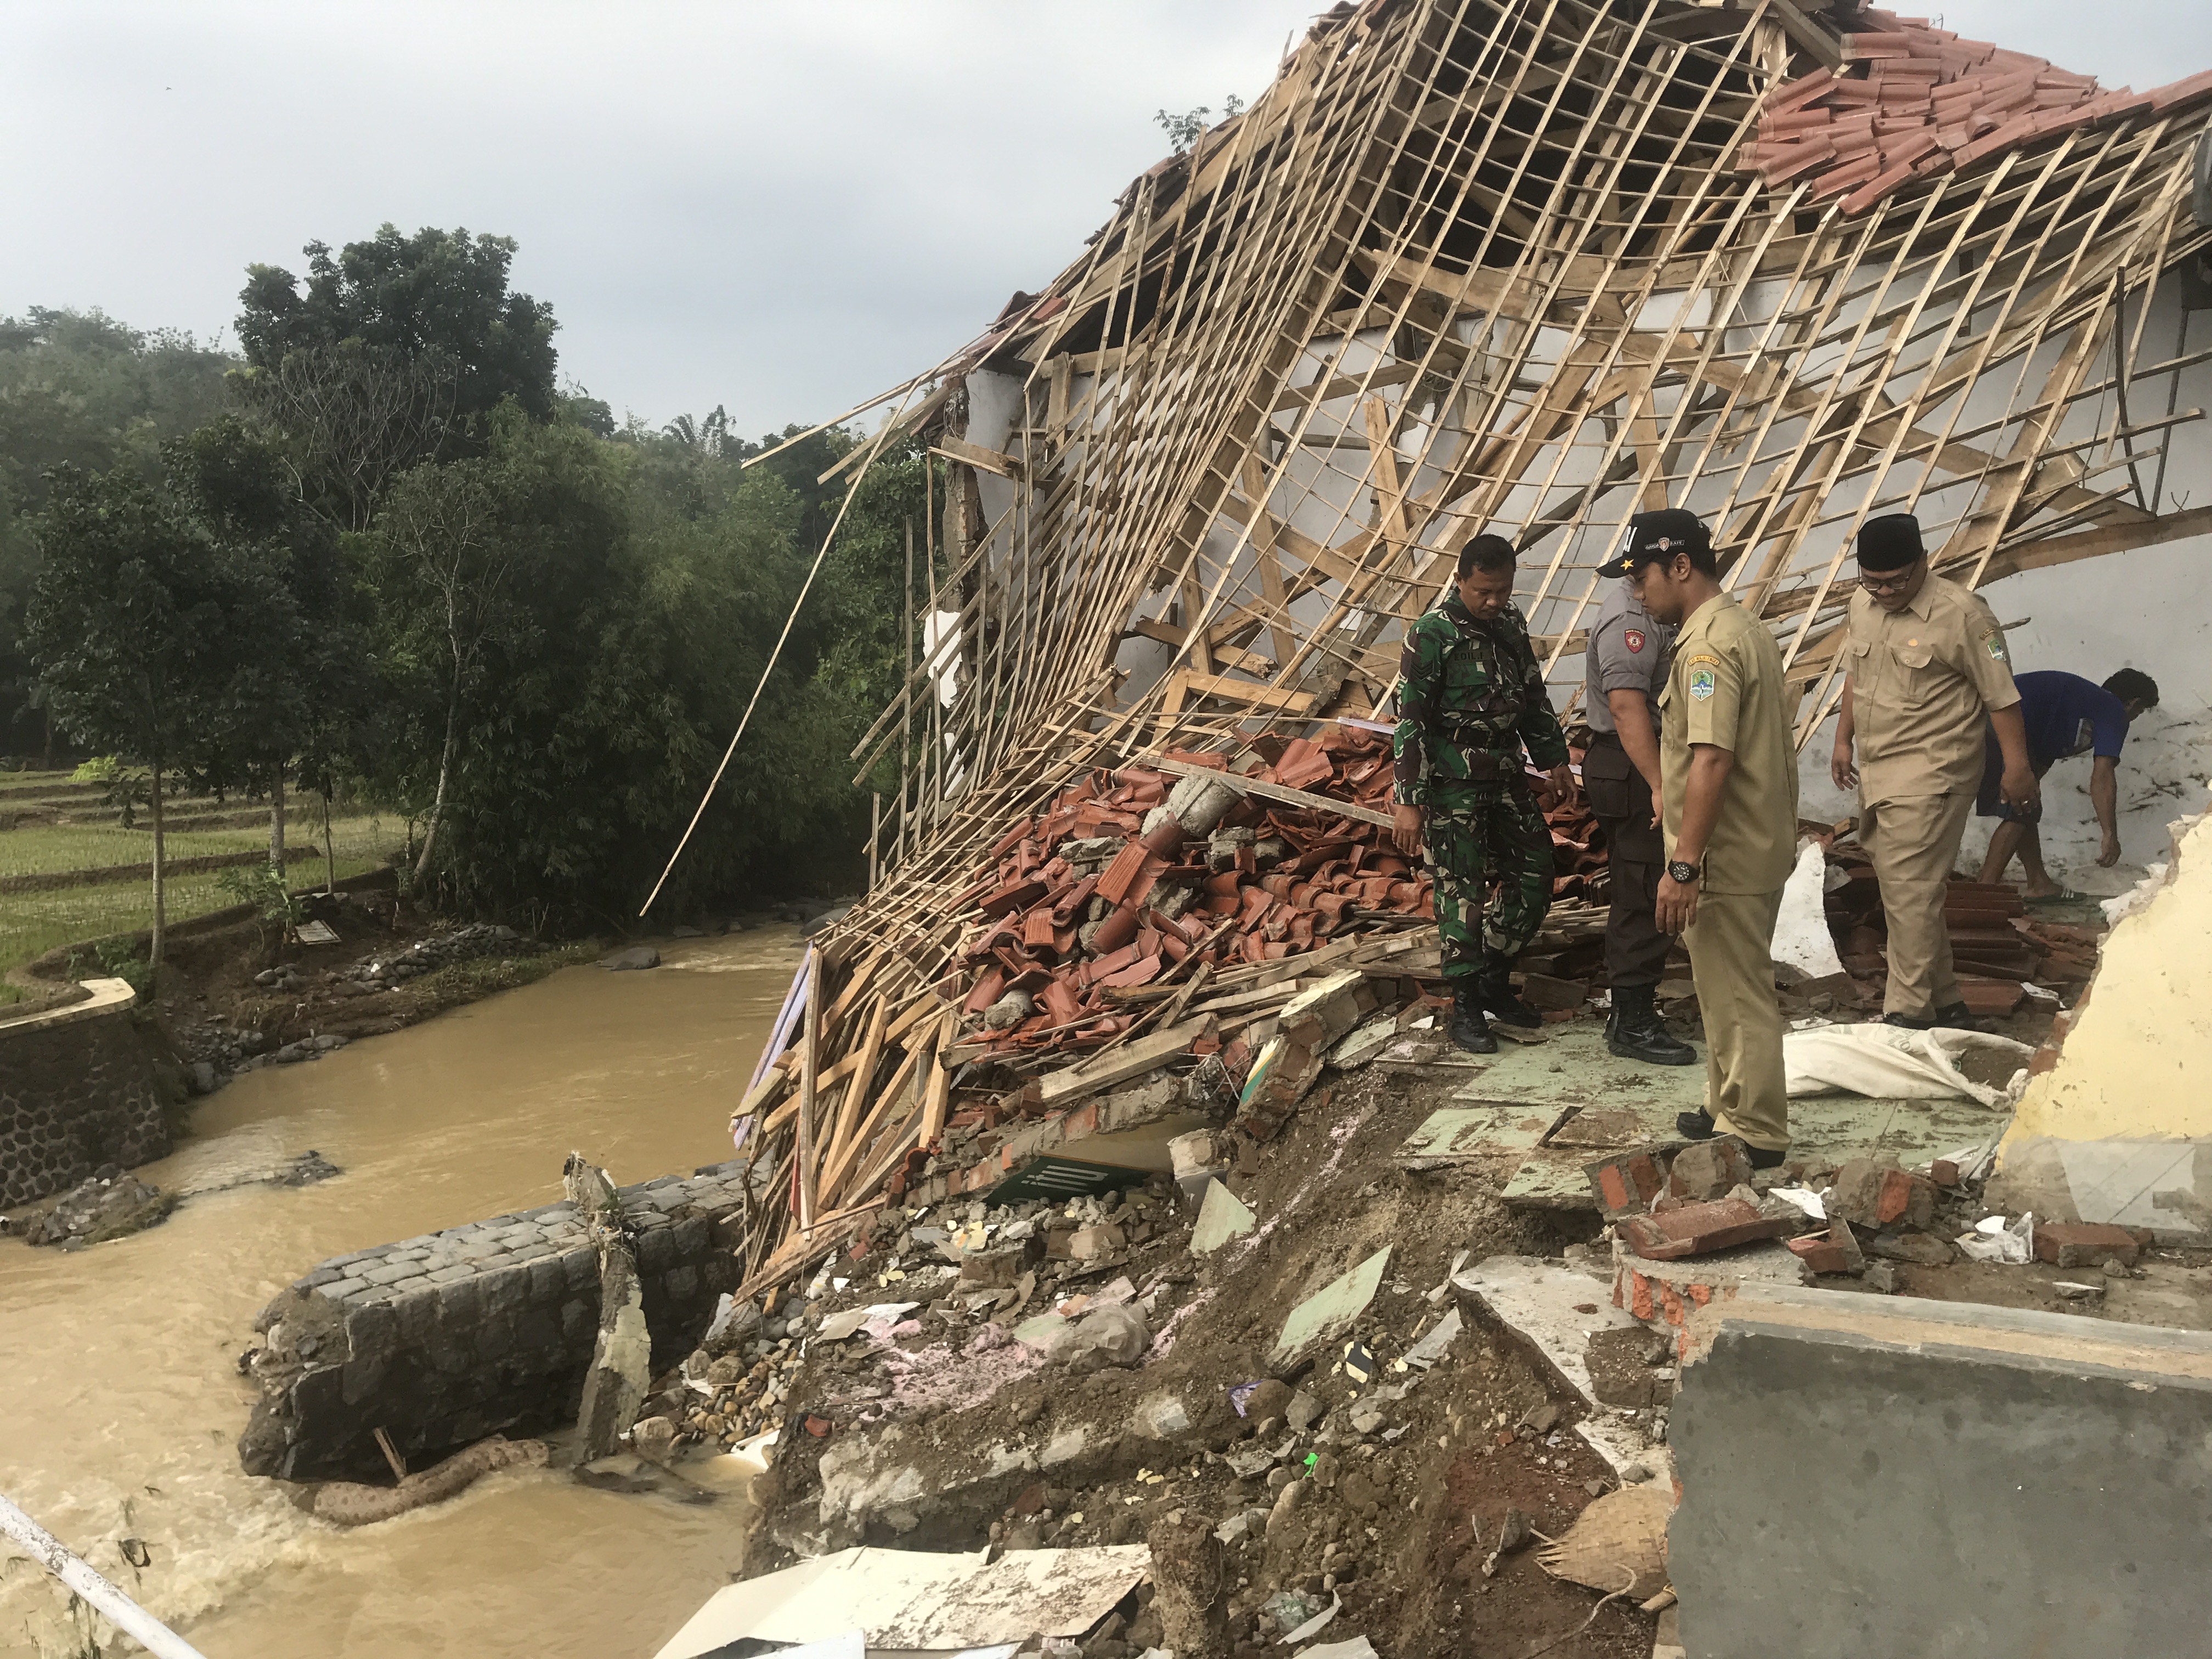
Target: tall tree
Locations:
point(79, 387)
point(230, 478)
point(449, 555)
point(422, 331)
point(153, 640)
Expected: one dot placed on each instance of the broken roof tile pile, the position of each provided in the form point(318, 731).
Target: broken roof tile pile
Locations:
point(1134, 877)
point(1997, 949)
point(1912, 101)
point(1126, 881)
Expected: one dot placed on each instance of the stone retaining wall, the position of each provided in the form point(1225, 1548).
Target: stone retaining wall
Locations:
point(482, 1329)
point(78, 1090)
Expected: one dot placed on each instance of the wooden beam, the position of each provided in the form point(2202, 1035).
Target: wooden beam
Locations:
point(1281, 795)
point(2122, 538)
point(959, 449)
point(809, 1062)
point(1074, 1083)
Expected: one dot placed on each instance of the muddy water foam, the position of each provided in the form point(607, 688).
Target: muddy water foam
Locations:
point(119, 1400)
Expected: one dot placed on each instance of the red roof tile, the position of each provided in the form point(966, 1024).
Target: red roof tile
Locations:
point(1912, 101)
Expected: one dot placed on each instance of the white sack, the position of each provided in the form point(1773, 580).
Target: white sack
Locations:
point(1887, 1062)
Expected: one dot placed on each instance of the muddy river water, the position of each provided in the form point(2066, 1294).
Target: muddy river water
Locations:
point(120, 1401)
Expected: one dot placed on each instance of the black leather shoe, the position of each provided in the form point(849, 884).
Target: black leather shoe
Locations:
point(1958, 1018)
point(1763, 1159)
point(1495, 989)
point(1906, 1022)
point(1466, 1027)
point(1635, 1032)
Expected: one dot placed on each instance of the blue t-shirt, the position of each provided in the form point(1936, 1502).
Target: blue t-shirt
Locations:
point(2066, 714)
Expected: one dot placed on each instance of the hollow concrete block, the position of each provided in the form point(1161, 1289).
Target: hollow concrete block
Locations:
point(1865, 1475)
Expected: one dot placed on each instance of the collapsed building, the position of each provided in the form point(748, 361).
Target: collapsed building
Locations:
point(1464, 267)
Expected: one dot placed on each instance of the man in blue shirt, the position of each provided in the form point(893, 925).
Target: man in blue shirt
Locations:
point(2065, 715)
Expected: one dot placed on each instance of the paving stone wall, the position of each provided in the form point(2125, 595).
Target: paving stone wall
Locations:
point(75, 1094)
point(488, 1328)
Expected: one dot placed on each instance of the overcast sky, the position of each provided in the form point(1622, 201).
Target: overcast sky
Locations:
point(781, 209)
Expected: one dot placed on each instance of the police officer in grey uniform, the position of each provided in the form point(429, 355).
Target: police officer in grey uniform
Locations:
point(1629, 655)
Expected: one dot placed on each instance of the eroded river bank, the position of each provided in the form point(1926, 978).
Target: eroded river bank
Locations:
point(118, 1363)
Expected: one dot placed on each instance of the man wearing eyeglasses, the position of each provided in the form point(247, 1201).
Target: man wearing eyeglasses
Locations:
point(1925, 673)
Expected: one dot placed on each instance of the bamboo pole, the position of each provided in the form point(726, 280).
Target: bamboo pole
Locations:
point(810, 1063)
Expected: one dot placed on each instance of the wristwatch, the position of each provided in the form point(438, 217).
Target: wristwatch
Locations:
point(1681, 873)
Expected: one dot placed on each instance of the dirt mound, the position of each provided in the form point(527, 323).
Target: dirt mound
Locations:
point(1353, 1476)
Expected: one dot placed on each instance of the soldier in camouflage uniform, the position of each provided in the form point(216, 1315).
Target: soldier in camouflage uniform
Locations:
point(1470, 697)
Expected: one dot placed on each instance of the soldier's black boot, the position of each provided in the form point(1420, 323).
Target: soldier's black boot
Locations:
point(1495, 989)
point(1635, 1032)
point(1466, 1027)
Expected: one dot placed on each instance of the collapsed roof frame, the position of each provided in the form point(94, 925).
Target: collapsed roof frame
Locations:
point(1507, 265)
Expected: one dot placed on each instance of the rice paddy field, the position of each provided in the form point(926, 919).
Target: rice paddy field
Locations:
point(57, 832)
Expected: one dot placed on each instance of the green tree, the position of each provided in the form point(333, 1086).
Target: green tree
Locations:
point(394, 350)
point(232, 480)
point(153, 640)
point(81, 389)
point(647, 581)
point(452, 555)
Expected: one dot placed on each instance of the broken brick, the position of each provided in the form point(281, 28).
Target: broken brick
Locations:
point(2086, 1243)
point(1625, 1183)
point(1697, 1230)
point(1820, 1252)
point(1871, 1194)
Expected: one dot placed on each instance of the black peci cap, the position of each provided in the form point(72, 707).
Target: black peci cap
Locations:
point(1654, 536)
point(1890, 543)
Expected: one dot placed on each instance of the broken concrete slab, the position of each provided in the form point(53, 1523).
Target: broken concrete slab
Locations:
point(1552, 1313)
point(1459, 1134)
point(1601, 1104)
point(1329, 1312)
point(1954, 1436)
point(917, 1602)
point(1222, 1216)
point(1368, 1042)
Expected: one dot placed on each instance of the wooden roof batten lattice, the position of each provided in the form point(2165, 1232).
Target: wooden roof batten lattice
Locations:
point(1520, 265)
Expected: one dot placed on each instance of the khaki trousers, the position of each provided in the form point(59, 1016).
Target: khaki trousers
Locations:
point(1913, 840)
point(1731, 956)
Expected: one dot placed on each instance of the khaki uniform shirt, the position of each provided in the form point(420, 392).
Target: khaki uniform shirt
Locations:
point(1922, 683)
point(1725, 689)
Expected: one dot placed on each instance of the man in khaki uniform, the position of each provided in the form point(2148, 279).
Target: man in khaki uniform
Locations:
point(1729, 817)
point(1925, 674)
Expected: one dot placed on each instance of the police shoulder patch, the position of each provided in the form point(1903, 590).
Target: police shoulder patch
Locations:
point(1633, 638)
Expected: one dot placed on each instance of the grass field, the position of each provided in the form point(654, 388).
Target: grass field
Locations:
point(32, 924)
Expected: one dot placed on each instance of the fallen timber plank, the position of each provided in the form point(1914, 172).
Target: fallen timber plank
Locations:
point(1280, 793)
point(1075, 1082)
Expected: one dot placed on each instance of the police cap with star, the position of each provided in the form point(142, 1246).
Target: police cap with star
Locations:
point(1655, 537)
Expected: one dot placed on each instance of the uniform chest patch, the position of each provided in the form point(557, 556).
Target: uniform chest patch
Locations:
point(1633, 638)
point(1701, 683)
